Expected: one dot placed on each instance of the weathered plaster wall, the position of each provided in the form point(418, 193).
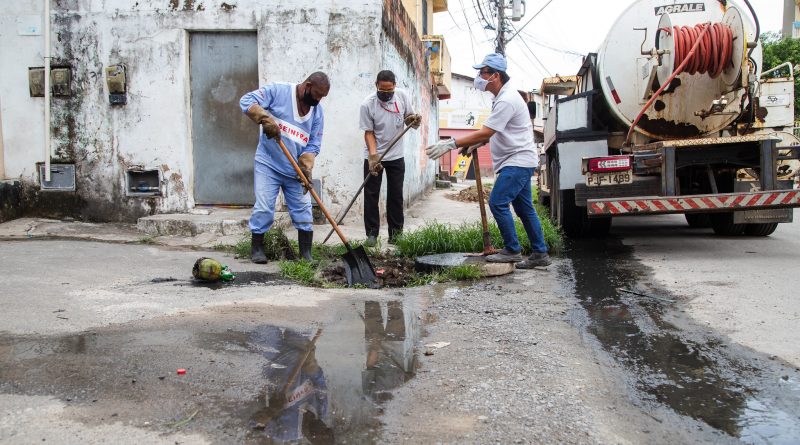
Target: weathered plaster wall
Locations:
point(347, 39)
point(405, 56)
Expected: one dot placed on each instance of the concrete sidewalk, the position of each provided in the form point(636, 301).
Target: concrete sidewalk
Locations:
point(206, 228)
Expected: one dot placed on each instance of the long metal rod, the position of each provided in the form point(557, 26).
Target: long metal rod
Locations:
point(2, 149)
point(340, 218)
point(47, 90)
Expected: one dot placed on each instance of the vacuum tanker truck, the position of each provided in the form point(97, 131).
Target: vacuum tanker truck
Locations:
point(673, 114)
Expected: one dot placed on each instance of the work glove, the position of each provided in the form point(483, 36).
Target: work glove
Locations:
point(375, 166)
point(438, 149)
point(268, 124)
point(413, 120)
point(467, 151)
point(306, 163)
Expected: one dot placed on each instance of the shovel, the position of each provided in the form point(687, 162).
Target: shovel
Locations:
point(357, 268)
point(488, 249)
point(363, 184)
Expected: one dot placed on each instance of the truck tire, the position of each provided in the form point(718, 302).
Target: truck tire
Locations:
point(698, 220)
point(762, 229)
point(573, 219)
point(723, 225)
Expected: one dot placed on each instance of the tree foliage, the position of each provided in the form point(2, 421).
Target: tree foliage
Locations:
point(778, 50)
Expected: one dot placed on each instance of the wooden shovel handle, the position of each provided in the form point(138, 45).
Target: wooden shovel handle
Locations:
point(313, 193)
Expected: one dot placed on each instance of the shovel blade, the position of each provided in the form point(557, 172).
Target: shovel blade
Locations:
point(358, 269)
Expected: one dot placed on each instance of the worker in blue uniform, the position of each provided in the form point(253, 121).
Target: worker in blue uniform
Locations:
point(291, 113)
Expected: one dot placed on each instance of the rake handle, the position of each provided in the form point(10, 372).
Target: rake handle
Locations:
point(363, 184)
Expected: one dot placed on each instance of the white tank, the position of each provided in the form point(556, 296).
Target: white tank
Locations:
point(624, 72)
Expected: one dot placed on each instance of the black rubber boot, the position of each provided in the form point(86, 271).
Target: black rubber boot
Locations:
point(257, 249)
point(304, 240)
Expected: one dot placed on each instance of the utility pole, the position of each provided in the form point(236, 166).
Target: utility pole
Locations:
point(501, 30)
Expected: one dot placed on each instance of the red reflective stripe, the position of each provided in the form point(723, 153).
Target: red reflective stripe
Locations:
point(709, 203)
point(771, 198)
point(660, 204)
point(692, 203)
point(674, 203)
point(752, 199)
point(789, 198)
point(737, 200)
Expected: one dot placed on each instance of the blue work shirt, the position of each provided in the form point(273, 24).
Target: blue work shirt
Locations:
point(300, 134)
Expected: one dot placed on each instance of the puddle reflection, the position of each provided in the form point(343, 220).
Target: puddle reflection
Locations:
point(391, 360)
point(296, 396)
point(299, 399)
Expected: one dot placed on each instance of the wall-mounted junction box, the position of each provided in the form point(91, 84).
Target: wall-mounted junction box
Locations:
point(117, 85)
point(62, 177)
point(60, 81)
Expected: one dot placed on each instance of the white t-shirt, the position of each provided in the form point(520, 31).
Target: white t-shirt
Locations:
point(385, 119)
point(512, 144)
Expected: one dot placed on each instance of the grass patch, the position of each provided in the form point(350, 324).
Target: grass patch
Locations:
point(149, 240)
point(464, 272)
point(436, 238)
point(276, 245)
point(302, 271)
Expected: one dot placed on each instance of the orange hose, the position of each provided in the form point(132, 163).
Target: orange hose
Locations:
point(704, 48)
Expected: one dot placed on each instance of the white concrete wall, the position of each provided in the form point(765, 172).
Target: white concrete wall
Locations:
point(341, 38)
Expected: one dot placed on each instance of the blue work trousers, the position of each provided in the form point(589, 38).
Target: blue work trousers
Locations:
point(513, 186)
point(267, 184)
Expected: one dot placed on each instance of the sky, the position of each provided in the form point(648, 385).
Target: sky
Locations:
point(554, 41)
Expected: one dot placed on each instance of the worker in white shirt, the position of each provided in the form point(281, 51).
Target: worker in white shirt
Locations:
point(509, 131)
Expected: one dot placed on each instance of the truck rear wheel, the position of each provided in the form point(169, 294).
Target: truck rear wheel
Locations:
point(722, 223)
point(762, 229)
point(698, 220)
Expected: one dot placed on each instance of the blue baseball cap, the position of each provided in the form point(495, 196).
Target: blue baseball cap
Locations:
point(495, 61)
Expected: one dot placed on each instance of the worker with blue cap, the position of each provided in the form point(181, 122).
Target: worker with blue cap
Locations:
point(510, 133)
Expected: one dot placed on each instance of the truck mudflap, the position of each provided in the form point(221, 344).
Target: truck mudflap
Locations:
point(720, 202)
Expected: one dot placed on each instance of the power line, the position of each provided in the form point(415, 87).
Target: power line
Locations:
point(544, 45)
point(471, 38)
point(531, 19)
point(454, 20)
point(533, 54)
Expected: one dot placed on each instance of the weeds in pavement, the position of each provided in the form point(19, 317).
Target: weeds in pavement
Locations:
point(458, 273)
point(276, 246)
point(436, 238)
point(302, 271)
point(149, 240)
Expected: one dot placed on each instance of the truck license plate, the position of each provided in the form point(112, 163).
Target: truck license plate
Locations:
point(610, 178)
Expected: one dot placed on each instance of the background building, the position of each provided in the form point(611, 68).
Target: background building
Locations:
point(145, 98)
point(791, 18)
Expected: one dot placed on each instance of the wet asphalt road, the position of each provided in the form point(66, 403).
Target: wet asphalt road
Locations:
point(595, 350)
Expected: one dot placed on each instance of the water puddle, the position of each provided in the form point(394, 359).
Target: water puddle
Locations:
point(253, 383)
point(696, 378)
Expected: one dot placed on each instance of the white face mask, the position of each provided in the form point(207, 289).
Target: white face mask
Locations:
point(480, 83)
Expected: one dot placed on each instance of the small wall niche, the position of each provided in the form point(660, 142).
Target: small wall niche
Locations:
point(143, 182)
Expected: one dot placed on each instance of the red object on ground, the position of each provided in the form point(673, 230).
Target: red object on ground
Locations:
point(181, 371)
point(379, 272)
